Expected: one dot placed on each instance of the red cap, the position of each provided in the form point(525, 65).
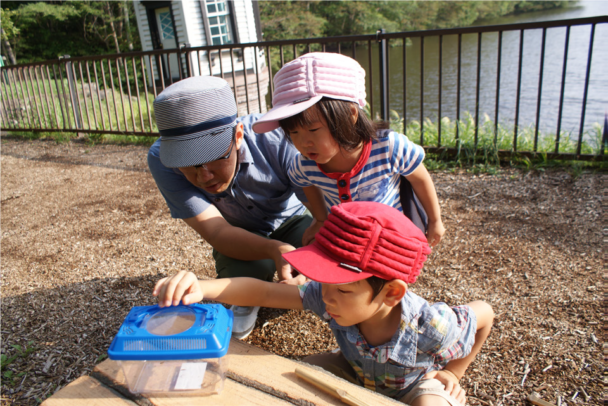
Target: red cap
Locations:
point(363, 239)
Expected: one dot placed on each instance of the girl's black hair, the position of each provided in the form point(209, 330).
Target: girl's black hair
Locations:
point(338, 116)
point(377, 284)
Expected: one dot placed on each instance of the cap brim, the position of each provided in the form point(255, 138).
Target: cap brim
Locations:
point(197, 149)
point(316, 264)
point(270, 120)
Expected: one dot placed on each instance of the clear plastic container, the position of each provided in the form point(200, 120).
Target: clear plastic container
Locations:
point(196, 376)
point(175, 349)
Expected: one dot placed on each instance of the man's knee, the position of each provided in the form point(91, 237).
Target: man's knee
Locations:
point(227, 267)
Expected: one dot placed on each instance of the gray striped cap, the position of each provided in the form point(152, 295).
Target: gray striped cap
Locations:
point(195, 118)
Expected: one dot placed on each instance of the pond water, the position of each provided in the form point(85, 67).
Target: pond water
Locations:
point(597, 98)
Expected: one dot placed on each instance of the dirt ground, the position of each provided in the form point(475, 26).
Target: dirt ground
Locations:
point(85, 234)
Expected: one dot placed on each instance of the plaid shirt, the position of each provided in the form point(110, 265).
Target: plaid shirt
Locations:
point(428, 337)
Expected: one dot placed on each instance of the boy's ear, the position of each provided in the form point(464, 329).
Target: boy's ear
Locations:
point(354, 112)
point(394, 292)
point(238, 135)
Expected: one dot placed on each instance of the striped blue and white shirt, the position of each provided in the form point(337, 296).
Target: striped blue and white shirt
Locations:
point(375, 178)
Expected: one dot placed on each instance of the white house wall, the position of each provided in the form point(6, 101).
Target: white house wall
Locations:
point(245, 21)
point(143, 26)
point(194, 23)
point(145, 37)
point(178, 18)
point(189, 27)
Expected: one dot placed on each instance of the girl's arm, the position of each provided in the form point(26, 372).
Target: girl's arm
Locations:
point(186, 288)
point(316, 205)
point(425, 190)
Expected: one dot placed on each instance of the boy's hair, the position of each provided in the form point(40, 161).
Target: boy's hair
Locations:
point(338, 116)
point(377, 284)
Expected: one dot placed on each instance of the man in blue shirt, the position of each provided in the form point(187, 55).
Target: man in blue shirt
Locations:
point(228, 183)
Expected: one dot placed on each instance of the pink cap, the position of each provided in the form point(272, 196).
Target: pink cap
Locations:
point(302, 82)
point(363, 239)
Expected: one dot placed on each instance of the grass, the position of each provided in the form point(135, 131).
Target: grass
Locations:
point(46, 103)
point(483, 156)
point(9, 375)
point(106, 108)
point(89, 139)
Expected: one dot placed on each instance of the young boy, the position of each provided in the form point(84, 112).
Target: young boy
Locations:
point(391, 340)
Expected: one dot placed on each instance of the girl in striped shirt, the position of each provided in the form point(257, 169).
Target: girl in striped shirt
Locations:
point(318, 100)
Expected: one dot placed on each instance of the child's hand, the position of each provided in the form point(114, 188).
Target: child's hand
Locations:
point(298, 279)
point(183, 286)
point(434, 232)
point(450, 381)
point(311, 231)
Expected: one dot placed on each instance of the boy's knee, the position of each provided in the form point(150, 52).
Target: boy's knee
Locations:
point(430, 400)
point(483, 311)
point(430, 392)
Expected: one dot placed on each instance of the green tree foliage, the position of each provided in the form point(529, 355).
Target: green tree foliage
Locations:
point(46, 30)
point(290, 19)
point(8, 31)
point(41, 30)
point(308, 19)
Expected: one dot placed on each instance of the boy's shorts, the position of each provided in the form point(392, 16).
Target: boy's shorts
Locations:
point(429, 387)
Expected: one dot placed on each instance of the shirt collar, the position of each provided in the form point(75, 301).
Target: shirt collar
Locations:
point(381, 353)
point(243, 157)
point(244, 153)
point(367, 149)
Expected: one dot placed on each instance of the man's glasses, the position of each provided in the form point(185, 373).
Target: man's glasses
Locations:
point(204, 166)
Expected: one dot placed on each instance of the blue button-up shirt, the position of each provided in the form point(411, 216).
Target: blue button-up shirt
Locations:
point(428, 337)
point(260, 197)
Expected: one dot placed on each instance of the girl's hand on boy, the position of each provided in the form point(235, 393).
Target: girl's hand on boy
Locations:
point(284, 270)
point(450, 381)
point(309, 235)
point(183, 286)
point(435, 231)
point(298, 279)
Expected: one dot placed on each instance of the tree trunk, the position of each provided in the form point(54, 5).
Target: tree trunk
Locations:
point(128, 25)
point(106, 6)
point(7, 46)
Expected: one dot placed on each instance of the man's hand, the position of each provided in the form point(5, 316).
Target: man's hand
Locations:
point(309, 234)
point(434, 232)
point(285, 272)
point(183, 286)
point(450, 381)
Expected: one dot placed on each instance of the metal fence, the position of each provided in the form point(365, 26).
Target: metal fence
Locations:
point(113, 94)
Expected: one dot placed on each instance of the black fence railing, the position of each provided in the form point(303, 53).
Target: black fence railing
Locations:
point(499, 89)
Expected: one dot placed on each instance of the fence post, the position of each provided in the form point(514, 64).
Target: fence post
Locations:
point(604, 135)
point(382, 53)
point(73, 89)
point(188, 61)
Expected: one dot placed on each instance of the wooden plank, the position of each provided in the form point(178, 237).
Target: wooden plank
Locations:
point(233, 393)
point(86, 390)
point(264, 378)
point(274, 374)
point(333, 390)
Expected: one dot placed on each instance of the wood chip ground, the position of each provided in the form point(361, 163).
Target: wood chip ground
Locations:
point(86, 233)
